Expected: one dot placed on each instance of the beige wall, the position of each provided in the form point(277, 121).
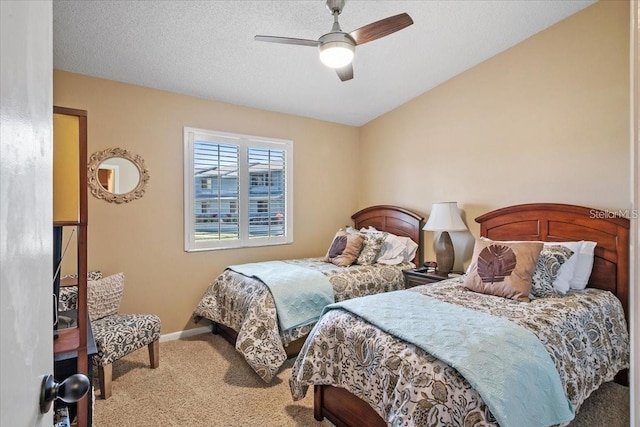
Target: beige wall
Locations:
point(144, 238)
point(545, 121)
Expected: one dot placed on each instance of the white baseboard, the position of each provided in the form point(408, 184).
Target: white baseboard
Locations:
point(185, 334)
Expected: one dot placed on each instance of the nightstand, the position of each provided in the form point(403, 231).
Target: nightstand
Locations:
point(420, 276)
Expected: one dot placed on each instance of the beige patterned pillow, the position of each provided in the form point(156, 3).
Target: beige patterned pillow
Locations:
point(370, 248)
point(344, 248)
point(551, 259)
point(104, 296)
point(92, 275)
point(503, 269)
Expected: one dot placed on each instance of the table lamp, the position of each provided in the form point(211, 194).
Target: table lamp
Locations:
point(444, 217)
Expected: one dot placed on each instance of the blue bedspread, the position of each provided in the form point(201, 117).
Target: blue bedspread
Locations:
point(299, 293)
point(504, 362)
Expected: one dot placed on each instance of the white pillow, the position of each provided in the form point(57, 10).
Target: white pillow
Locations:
point(567, 270)
point(392, 250)
point(411, 249)
point(584, 266)
point(395, 249)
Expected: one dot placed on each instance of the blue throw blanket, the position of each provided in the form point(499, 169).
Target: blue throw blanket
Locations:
point(505, 363)
point(299, 293)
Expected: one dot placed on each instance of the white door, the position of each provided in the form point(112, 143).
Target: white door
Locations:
point(635, 221)
point(25, 210)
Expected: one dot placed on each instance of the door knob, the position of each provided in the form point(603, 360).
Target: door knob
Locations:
point(70, 390)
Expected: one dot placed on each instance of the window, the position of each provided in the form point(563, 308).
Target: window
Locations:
point(259, 179)
point(206, 183)
point(238, 190)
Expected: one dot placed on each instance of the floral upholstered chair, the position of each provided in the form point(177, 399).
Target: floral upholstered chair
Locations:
point(117, 335)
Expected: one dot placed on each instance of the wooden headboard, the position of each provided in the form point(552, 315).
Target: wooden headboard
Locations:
point(393, 219)
point(553, 222)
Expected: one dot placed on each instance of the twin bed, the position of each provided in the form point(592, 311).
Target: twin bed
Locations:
point(243, 310)
point(366, 374)
point(363, 375)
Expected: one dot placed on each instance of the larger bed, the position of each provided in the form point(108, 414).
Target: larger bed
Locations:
point(243, 311)
point(364, 376)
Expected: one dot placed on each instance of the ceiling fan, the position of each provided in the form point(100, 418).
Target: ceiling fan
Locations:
point(337, 47)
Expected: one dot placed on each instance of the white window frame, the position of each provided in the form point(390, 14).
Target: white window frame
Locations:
point(244, 142)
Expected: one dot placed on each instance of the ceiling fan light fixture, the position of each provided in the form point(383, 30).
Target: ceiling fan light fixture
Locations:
point(336, 54)
point(336, 47)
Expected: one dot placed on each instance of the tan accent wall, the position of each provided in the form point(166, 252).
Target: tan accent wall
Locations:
point(66, 134)
point(144, 238)
point(545, 121)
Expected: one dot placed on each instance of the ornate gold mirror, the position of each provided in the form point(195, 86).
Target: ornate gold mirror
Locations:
point(117, 176)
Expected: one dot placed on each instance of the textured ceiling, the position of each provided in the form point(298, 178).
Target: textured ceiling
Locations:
point(206, 48)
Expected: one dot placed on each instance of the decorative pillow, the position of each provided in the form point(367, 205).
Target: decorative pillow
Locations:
point(344, 248)
point(370, 249)
point(371, 231)
point(371, 246)
point(584, 266)
point(395, 249)
point(68, 296)
point(575, 273)
point(503, 269)
point(552, 258)
point(92, 275)
point(104, 296)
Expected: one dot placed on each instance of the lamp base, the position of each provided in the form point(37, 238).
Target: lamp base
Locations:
point(444, 253)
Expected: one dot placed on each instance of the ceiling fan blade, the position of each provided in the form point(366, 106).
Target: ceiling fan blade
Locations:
point(345, 73)
point(287, 40)
point(381, 28)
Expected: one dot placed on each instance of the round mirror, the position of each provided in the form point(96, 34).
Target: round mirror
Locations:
point(116, 175)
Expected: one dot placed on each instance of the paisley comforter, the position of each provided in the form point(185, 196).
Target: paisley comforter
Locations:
point(245, 305)
point(584, 332)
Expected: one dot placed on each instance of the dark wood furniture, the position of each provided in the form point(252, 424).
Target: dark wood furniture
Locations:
point(391, 219)
point(421, 276)
point(66, 364)
point(548, 222)
point(74, 340)
point(395, 220)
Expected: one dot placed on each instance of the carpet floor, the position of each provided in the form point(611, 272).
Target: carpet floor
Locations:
point(202, 381)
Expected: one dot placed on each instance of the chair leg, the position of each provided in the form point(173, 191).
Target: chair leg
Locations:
point(104, 376)
point(154, 354)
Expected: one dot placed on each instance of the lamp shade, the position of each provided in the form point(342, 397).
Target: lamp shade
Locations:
point(444, 216)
